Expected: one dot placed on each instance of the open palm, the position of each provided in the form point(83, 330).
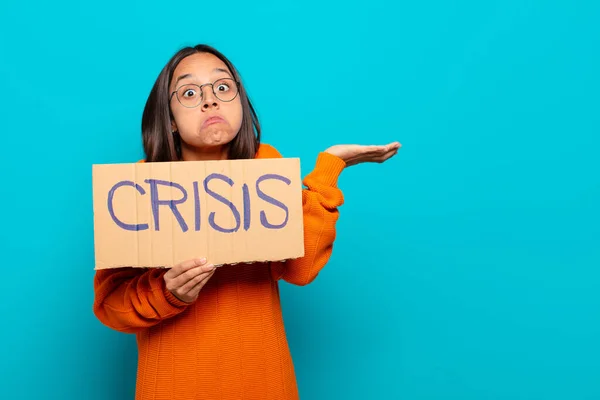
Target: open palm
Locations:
point(354, 154)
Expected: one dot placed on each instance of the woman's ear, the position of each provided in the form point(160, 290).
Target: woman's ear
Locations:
point(173, 126)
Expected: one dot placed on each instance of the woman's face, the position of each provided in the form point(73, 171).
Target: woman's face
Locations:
point(206, 122)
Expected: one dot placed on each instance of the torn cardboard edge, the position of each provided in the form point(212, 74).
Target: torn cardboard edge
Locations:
point(208, 261)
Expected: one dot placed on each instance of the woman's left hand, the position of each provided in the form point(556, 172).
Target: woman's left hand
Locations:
point(353, 154)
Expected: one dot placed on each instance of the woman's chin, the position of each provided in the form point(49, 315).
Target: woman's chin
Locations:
point(215, 136)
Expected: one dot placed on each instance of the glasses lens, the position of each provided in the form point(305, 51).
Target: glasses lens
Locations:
point(225, 89)
point(189, 95)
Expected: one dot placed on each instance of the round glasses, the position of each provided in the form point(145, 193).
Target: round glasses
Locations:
point(190, 95)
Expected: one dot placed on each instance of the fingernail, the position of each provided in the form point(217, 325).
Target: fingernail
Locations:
point(202, 260)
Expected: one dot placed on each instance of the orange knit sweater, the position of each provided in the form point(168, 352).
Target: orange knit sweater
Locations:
point(231, 342)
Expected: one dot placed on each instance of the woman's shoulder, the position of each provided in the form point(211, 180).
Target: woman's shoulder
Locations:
point(267, 151)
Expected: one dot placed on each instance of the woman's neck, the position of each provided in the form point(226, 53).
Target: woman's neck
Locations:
point(212, 153)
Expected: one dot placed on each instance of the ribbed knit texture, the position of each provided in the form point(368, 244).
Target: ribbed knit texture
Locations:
point(230, 343)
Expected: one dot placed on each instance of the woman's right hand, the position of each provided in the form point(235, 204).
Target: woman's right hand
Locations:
point(186, 279)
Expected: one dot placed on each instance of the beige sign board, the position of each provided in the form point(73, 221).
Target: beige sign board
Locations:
point(232, 211)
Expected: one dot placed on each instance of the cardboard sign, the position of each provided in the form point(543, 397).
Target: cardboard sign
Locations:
point(159, 214)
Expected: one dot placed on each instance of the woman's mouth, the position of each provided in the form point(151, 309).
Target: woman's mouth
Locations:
point(213, 120)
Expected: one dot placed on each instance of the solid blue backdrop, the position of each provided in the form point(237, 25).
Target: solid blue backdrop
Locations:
point(465, 268)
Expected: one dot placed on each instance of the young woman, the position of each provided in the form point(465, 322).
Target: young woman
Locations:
point(206, 332)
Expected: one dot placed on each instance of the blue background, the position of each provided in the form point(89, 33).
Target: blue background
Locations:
point(477, 275)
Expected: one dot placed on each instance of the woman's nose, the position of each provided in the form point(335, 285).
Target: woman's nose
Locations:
point(208, 98)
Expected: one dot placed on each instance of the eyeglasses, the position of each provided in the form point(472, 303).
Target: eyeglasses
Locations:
point(190, 95)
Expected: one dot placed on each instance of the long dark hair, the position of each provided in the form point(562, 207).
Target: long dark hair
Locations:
point(160, 144)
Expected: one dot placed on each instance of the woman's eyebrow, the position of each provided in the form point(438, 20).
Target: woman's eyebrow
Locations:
point(185, 76)
point(222, 70)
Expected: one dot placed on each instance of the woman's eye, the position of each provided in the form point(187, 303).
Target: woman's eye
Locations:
point(189, 93)
point(223, 87)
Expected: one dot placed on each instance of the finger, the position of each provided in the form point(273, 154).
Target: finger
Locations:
point(181, 280)
point(377, 158)
point(201, 284)
point(388, 148)
point(184, 266)
point(375, 149)
point(382, 155)
point(196, 289)
point(392, 149)
point(386, 156)
point(363, 153)
point(389, 154)
point(189, 285)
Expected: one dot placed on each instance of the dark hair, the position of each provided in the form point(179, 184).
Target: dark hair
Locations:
point(160, 144)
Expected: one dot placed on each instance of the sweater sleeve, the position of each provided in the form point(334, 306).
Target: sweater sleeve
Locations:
point(132, 299)
point(320, 202)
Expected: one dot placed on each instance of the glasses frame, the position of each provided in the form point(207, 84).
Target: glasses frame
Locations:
point(201, 89)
